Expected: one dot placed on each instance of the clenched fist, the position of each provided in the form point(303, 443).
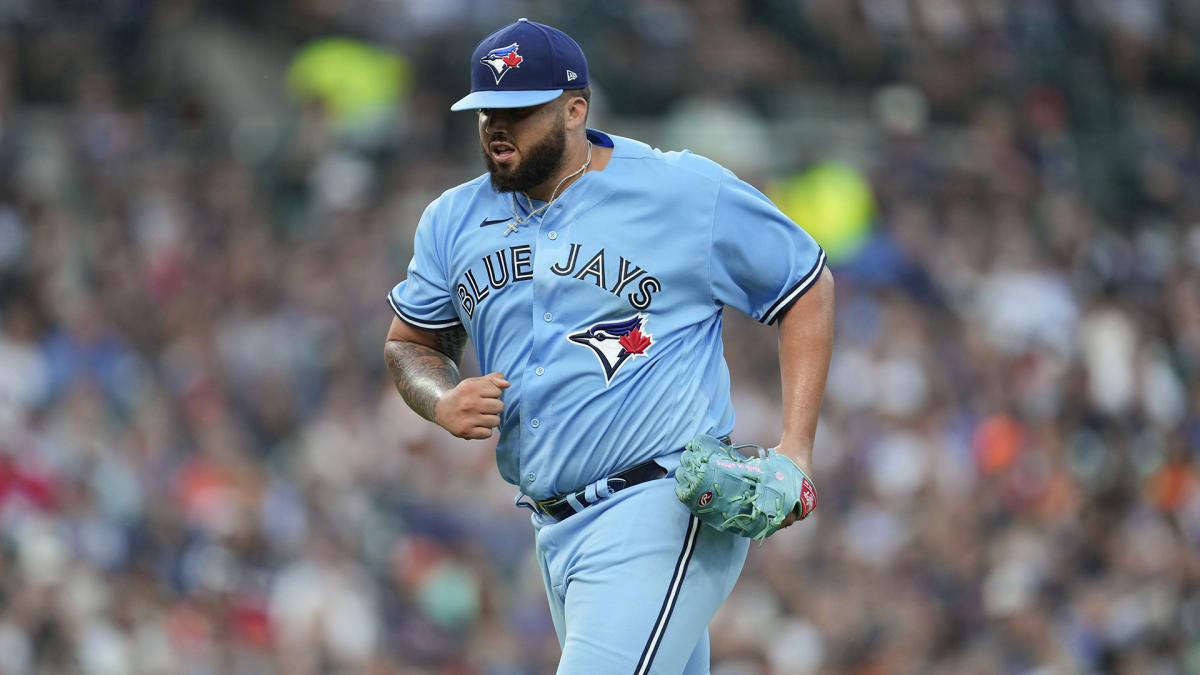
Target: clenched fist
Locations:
point(472, 408)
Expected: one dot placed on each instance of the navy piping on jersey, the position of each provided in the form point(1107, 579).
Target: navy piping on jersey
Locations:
point(783, 303)
point(427, 325)
point(668, 606)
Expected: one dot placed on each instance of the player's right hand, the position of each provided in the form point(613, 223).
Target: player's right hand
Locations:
point(472, 408)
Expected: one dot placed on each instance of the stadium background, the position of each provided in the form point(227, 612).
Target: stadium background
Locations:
point(204, 468)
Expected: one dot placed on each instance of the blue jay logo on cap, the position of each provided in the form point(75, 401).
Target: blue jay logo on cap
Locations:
point(614, 342)
point(502, 60)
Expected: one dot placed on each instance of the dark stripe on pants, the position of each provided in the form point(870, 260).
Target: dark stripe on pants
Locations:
point(668, 606)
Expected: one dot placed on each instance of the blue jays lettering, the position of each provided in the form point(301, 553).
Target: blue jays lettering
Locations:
point(506, 266)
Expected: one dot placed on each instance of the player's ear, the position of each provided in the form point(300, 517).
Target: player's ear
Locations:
point(576, 112)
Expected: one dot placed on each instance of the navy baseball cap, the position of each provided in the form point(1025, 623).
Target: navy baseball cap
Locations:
point(525, 63)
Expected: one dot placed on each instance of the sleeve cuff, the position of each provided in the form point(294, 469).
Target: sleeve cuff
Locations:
point(421, 323)
point(793, 294)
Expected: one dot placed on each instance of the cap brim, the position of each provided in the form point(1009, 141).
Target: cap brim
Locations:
point(505, 99)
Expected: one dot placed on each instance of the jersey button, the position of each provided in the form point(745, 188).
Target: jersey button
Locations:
point(552, 235)
point(548, 317)
point(535, 423)
point(531, 477)
point(540, 370)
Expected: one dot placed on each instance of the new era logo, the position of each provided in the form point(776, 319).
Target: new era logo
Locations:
point(571, 76)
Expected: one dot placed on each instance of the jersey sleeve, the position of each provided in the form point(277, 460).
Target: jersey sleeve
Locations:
point(761, 261)
point(423, 299)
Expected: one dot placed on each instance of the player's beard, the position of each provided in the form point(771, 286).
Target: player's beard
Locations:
point(538, 164)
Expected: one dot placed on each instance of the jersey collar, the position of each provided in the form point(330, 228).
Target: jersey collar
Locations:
point(599, 138)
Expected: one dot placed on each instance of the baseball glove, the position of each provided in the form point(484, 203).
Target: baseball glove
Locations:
point(750, 496)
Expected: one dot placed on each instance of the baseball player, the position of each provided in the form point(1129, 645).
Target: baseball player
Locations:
point(590, 271)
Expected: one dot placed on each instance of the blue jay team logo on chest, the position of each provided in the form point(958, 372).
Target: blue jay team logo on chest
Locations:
point(502, 60)
point(615, 342)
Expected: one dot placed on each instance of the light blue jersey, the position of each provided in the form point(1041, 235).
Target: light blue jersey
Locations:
point(604, 312)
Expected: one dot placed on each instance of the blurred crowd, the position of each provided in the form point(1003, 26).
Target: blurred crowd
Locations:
point(204, 467)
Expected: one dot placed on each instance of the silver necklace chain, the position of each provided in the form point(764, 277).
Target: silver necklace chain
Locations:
point(518, 220)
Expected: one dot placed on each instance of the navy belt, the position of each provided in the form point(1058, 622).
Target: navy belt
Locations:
point(561, 507)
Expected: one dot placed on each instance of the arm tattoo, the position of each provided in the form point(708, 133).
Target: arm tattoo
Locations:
point(421, 374)
point(450, 342)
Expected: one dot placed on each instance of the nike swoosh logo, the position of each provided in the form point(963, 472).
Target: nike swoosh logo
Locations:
point(487, 222)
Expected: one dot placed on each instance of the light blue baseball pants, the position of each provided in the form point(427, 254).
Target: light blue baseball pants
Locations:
point(633, 582)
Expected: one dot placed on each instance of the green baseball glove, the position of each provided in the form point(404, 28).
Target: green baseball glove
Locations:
point(749, 496)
